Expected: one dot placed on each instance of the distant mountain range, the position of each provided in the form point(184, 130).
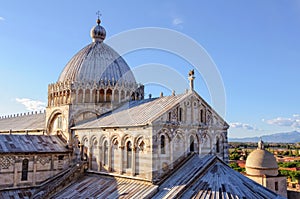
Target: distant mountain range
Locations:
point(288, 137)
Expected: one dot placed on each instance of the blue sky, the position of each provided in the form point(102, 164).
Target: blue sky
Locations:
point(255, 46)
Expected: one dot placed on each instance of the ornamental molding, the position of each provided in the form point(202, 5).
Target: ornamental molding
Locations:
point(44, 159)
point(6, 161)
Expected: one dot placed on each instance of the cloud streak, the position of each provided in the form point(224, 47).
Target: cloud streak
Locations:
point(239, 125)
point(31, 105)
point(2, 19)
point(177, 22)
point(293, 121)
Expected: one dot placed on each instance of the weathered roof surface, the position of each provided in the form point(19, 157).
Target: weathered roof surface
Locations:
point(209, 177)
point(135, 112)
point(97, 186)
point(17, 193)
point(179, 180)
point(23, 123)
point(10, 143)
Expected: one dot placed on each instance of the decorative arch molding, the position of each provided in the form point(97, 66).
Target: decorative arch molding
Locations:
point(206, 142)
point(137, 139)
point(94, 141)
point(115, 139)
point(141, 143)
point(85, 140)
point(180, 134)
point(57, 124)
point(193, 141)
point(103, 138)
point(220, 143)
point(85, 110)
point(52, 116)
point(166, 132)
point(125, 139)
point(194, 133)
point(220, 135)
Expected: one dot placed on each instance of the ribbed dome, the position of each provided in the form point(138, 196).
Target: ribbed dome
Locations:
point(261, 162)
point(97, 62)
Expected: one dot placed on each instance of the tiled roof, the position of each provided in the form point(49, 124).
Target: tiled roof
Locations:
point(178, 181)
point(23, 123)
point(209, 177)
point(96, 186)
point(199, 177)
point(135, 113)
point(10, 143)
point(16, 193)
point(220, 181)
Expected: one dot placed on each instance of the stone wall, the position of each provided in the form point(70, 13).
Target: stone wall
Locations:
point(21, 170)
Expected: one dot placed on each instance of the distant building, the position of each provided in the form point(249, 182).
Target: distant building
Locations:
point(166, 147)
point(262, 167)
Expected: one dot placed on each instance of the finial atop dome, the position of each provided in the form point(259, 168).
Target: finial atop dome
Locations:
point(99, 15)
point(98, 21)
point(260, 145)
point(98, 33)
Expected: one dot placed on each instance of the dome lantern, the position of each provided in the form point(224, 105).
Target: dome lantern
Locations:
point(98, 33)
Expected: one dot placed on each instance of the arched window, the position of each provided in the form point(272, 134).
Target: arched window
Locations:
point(218, 145)
point(170, 116)
point(87, 96)
point(116, 95)
point(192, 144)
point(80, 96)
point(122, 96)
point(108, 95)
point(180, 114)
point(201, 116)
point(162, 144)
point(24, 176)
point(101, 95)
point(105, 158)
point(129, 154)
point(59, 122)
point(94, 96)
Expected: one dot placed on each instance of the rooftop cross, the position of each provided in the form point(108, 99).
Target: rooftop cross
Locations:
point(98, 13)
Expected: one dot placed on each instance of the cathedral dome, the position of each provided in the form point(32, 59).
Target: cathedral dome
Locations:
point(261, 162)
point(97, 62)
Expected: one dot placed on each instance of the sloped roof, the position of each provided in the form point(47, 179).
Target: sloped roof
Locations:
point(95, 186)
point(17, 193)
point(23, 123)
point(135, 113)
point(10, 143)
point(199, 177)
point(210, 177)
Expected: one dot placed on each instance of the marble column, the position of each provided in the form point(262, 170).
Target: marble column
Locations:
point(121, 158)
point(133, 160)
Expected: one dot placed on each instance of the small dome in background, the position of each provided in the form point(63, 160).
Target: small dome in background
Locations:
point(261, 162)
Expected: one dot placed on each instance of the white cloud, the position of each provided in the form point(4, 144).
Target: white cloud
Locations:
point(2, 19)
point(239, 125)
point(32, 105)
point(177, 21)
point(293, 121)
